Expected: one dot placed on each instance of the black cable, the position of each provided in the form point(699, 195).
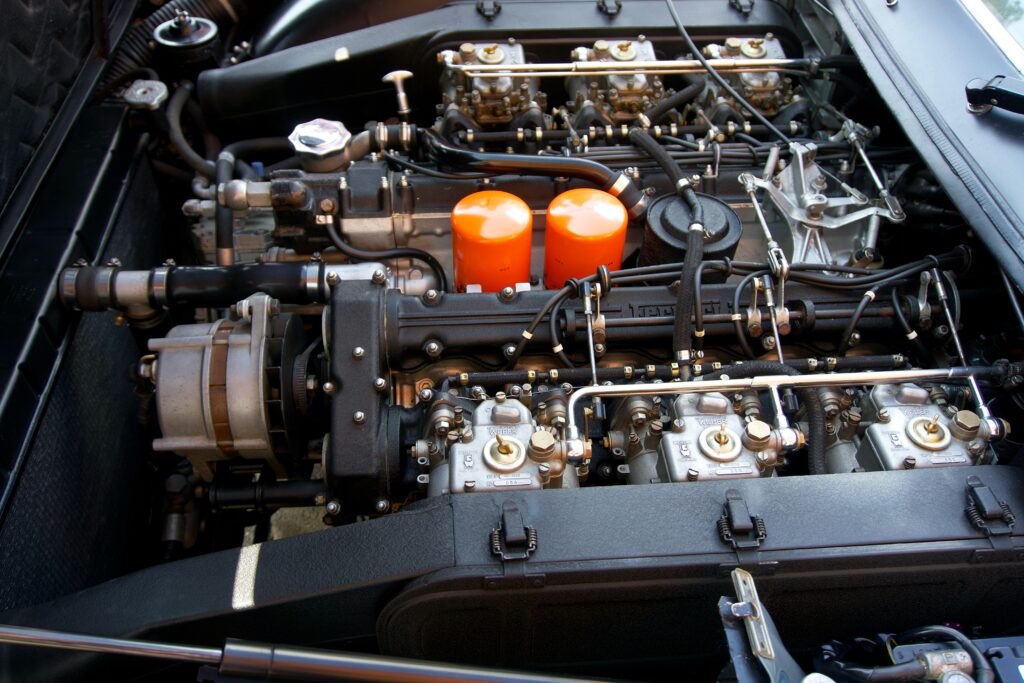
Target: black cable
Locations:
point(527, 334)
point(401, 252)
point(692, 47)
point(851, 327)
point(556, 343)
point(737, 317)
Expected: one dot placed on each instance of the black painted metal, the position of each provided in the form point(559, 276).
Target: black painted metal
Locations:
point(623, 579)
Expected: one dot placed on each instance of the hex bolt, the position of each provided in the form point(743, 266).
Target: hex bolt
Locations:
point(398, 78)
point(333, 278)
point(599, 348)
point(333, 507)
point(358, 352)
point(382, 505)
point(431, 296)
point(509, 350)
point(507, 293)
point(327, 205)
point(426, 394)
point(359, 417)
point(329, 388)
point(378, 277)
point(380, 384)
point(432, 348)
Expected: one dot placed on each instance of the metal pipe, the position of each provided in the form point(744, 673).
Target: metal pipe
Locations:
point(666, 67)
point(758, 383)
point(1011, 292)
point(16, 635)
point(265, 660)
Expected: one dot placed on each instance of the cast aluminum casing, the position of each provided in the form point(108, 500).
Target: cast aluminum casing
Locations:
point(887, 443)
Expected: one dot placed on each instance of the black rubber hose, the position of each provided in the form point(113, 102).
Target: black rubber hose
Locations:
point(682, 333)
point(983, 671)
point(401, 252)
point(828, 663)
point(792, 111)
point(175, 106)
point(611, 181)
point(908, 330)
point(556, 335)
point(675, 101)
point(216, 286)
point(224, 217)
point(811, 400)
point(137, 46)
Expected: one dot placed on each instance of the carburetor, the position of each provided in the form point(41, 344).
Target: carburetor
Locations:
point(497, 446)
point(904, 426)
point(768, 91)
point(620, 97)
point(705, 439)
point(484, 99)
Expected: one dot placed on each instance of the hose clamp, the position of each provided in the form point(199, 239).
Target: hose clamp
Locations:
point(620, 185)
point(382, 135)
point(311, 276)
point(158, 286)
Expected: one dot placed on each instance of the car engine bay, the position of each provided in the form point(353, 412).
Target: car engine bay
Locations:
point(401, 268)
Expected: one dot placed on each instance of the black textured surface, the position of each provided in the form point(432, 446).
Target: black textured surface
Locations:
point(43, 44)
point(78, 510)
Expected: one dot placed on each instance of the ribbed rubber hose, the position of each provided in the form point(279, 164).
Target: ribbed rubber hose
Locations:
point(682, 331)
point(811, 400)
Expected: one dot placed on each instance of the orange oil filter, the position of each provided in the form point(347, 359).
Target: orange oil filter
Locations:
point(585, 229)
point(491, 234)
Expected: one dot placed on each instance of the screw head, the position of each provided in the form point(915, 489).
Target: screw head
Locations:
point(327, 205)
point(909, 462)
point(333, 278)
point(506, 293)
point(358, 352)
point(426, 395)
point(509, 350)
point(333, 507)
point(359, 417)
point(599, 349)
point(432, 348)
point(378, 277)
point(380, 384)
point(382, 505)
point(431, 296)
point(883, 414)
point(329, 388)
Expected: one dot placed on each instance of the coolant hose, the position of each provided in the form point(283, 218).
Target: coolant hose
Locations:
point(811, 400)
point(608, 180)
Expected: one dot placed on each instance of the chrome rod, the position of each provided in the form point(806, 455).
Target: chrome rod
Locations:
point(16, 635)
point(842, 379)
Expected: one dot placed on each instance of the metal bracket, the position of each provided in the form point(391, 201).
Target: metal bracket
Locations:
point(609, 7)
point(512, 540)
point(744, 7)
point(986, 512)
point(737, 526)
point(488, 8)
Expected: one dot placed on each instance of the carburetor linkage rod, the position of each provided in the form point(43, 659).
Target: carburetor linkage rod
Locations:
point(842, 379)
